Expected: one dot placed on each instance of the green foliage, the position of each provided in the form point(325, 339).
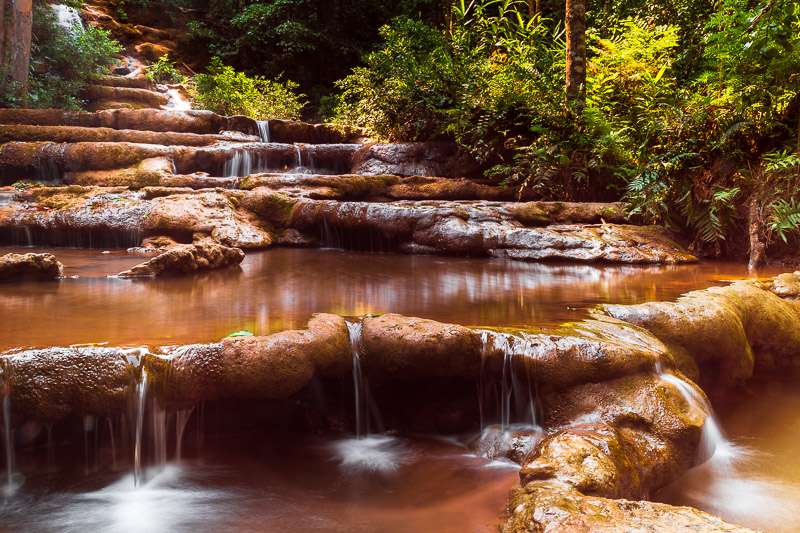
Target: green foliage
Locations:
point(241, 333)
point(164, 71)
point(228, 92)
point(62, 64)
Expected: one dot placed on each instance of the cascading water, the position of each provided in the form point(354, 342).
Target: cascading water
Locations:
point(263, 130)
point(299, 161)
point(181, 419)
point(141, 396)
point(9, 440)
point(354, 329)
point(68, 18)
point(712, 443)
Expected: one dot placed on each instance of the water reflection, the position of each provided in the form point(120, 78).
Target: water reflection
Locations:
point(278, 289)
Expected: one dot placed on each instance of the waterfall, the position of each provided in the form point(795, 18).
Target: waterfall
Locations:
point(517, 400)
point(68, 18)
point(113, 446)
point(299, 162)
point(141, 395)
point(9, 437)
point(354, 329)
point(712, 442)
point(181, 418)
point(263, 130)
point(176, 102)
point(245, 162)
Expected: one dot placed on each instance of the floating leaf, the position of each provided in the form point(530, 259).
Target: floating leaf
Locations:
point(241, 333)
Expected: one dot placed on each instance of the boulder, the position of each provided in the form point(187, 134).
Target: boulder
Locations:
point(409, 348)
point(415, 159)
point(187, 258)
point(557, 507)
point(15, 267)
point(49, 384)
point(252, 367)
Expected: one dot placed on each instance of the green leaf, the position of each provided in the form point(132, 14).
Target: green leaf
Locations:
point(241, 333)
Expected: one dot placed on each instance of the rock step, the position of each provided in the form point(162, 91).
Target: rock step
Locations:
point(25, 161)
point(262, 217)
point(75, 134)
point(124, 81)
point(191, 121)
point(104, 97)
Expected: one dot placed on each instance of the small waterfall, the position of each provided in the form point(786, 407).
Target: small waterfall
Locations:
point(263, 130)
point(9, 440)
point(88, 427)
point(181, 418)
point(713, 442)
point(299, 162)
point(113, 445)
point(68, 18)
point(354, 329)
point(239, 165)
point(176, 102)
point(141, 395)
point(517, 395)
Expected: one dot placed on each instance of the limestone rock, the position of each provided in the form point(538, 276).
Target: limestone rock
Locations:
point(187, 258)
point(408, 348)
point(29, 266)
point(48, 384)
point(559, 508)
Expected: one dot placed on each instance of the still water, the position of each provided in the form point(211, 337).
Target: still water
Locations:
point(279, 289)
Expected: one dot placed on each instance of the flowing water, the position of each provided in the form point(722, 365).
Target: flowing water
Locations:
point(757, 483)
point(155, 471)
point(67, 18)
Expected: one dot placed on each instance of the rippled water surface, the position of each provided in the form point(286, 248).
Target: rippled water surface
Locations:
point(280, 288)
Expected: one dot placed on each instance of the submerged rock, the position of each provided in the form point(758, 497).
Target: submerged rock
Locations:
point(187, 258)
point(29, 266)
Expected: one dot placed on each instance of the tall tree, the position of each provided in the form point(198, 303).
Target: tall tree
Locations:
point(17, 21)
point(576, 53)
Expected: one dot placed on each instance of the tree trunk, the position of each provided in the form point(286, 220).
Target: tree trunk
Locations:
point(756, 229)
point(18, 46)
point(576, 54)
point(3, 22)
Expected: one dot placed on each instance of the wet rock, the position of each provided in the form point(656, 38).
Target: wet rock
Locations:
point(290, 131)
point(124, 81)
point(624, 437)
point(187, 258)
point(49, 384)
point(415, 159)
point(29, 266)
point(86, 216)
point(486, 229)
point(409, 348)
point(138, 98)
point(73, 134)
point(589, 351)
point(560, 508)
point(730, 331)
point(159, 120)
point(275, 366)
point(151, 171)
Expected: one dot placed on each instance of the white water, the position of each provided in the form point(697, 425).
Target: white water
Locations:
point(354, 329)
point(374, 453)
point(713, 445)
point(263, 130)
point(299, 162)
point(141, 397)
point(176, 101)
point(68, 18)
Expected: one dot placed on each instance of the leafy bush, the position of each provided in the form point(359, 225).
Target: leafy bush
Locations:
point(228, 92)
point(62, 64)
point(164, 71)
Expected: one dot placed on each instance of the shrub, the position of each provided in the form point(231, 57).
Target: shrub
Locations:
point(164, 71)
point(62, 64)
point(228, 92)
